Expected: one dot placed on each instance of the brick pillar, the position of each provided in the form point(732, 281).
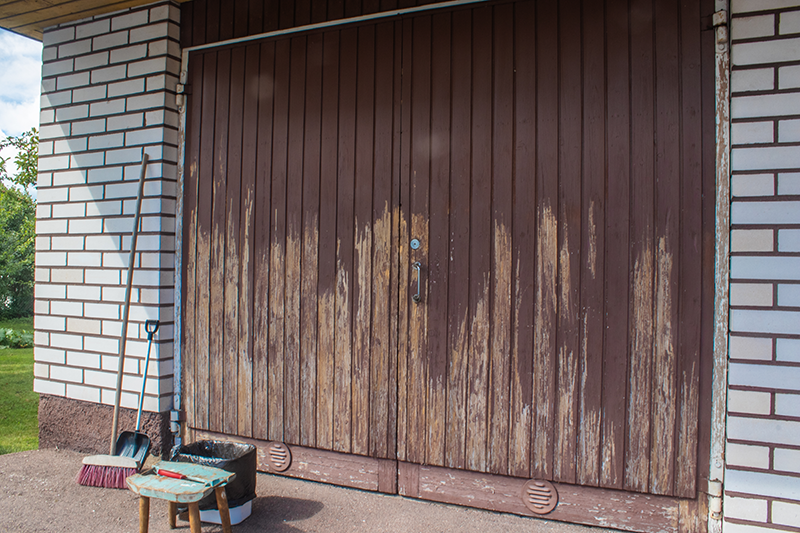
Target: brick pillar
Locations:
point(108, 95)
point(762, 478)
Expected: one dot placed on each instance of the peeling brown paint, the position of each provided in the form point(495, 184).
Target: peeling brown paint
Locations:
point(361, 336)
point(342, 390)
point(477, 430)
point(662, 453)
point(544, 347)
point(500, 355)
point(592, 227)
point(637, 443)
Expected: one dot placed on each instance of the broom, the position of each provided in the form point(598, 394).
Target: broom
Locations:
point(110, 471)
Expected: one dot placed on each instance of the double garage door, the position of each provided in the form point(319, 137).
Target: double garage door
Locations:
point(473, 239)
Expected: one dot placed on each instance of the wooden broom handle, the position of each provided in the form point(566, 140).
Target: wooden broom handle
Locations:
point(127, 308)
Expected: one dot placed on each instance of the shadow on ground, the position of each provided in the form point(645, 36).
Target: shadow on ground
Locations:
point(273, 514)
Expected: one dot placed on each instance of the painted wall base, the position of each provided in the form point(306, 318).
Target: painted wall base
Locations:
point(86, 427)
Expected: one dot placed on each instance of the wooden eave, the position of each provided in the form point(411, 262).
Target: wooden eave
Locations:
point(31, 17)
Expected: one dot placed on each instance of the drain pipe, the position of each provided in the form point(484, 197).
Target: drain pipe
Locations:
point(719, 391)
point(175, 418)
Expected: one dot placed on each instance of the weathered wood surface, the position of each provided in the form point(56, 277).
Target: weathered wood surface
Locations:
point(291, 240)
point(548, 157)
point(582, 505)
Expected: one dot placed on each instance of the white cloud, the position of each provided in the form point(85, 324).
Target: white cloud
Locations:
point(20, 83)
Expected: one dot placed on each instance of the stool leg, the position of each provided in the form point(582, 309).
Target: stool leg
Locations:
point(144, 514)
point(222, 506)
point(194, 517)
point(173, 514)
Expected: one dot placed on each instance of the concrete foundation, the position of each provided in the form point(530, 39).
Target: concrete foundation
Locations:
point(86, 427)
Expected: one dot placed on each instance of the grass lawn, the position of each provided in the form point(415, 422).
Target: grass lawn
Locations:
point(19, 428)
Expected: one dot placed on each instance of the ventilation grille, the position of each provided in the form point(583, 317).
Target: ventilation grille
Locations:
point(539, 496)
point(279, 456)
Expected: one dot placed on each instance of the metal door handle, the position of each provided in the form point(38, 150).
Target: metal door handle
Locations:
point(416, 266)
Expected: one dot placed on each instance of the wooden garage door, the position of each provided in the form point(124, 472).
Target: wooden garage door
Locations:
point(552, 173)
point(546, 156)
point(289, 280)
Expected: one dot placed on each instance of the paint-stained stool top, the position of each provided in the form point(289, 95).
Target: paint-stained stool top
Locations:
point(204, 480)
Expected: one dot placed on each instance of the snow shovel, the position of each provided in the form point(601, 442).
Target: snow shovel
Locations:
point(134, 444)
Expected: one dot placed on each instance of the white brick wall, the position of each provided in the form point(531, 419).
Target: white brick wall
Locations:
point(762, 478)
point(103, 79)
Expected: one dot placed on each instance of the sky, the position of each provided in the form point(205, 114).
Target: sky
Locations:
point(20, 85)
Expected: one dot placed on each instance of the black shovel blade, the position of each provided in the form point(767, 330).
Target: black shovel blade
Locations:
point(134, 445)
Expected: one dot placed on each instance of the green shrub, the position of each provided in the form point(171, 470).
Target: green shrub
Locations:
point(10, 338)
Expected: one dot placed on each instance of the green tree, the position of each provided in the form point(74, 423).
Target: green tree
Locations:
point(18, 225)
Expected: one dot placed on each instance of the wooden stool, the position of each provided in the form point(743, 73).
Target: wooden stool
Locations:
point(204, 479)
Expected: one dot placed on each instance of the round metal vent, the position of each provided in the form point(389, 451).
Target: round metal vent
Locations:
point(279, 456)
point(539, 496)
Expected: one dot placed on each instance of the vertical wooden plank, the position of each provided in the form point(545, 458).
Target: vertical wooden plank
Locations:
point(272, 14)
point(370, 6)
point(403, 270)
point(708, 327)
point(286, 19)
point(255, 17)
point(232, 250)
point(396, 294)
point(667, 259)
point(592, 245)
point(569, 240)
point(187, 25)
point(335, 9)
point(524, 245)
point(362, 252)
point(459, 267)
point(352, 8)
point(277, 289)
point(419, 198)
point(691, 275)
point(439, 241)
point(382, 395)
point(263, 239)
point(309, 261)
point(502, 231)
point(205, 187)
point(302, 12)
point(217, 272)
point(544, 356)
point(343, 392)
point(247, 239)
point(241, 14)
point(226, 20)
point(327, 241)
point(637, 446)
point(480, 240)
point(199, 31)
point(319, 11)
point(190, 259)
point(294, 231)
point(615, 350)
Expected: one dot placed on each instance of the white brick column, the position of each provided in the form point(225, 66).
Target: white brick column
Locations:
point(108, 87)
point(762, 478)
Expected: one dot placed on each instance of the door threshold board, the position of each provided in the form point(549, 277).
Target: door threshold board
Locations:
point(592, 506)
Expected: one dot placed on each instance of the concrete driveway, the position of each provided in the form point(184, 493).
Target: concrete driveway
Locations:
point(38, 493)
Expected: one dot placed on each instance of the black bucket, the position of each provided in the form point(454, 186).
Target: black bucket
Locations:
point(240, 459)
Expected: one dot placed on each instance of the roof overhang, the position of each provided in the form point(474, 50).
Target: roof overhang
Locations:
point(31, 17)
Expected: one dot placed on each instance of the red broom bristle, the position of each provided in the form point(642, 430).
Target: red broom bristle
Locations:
point(110, 477)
